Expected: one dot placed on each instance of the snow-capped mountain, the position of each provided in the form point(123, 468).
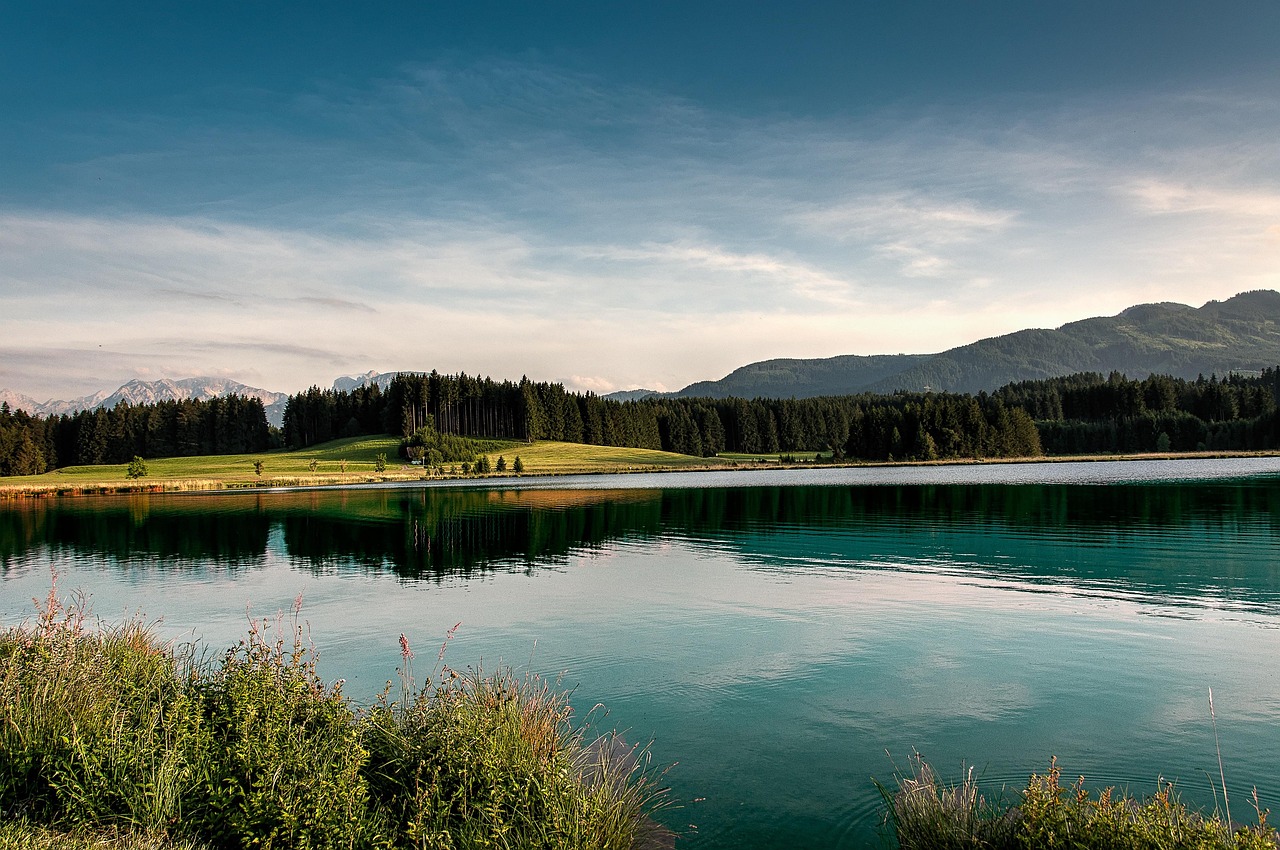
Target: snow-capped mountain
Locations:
point(347, 383)
point(149, 392)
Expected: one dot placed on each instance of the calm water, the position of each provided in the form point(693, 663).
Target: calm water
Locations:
point(774, 634)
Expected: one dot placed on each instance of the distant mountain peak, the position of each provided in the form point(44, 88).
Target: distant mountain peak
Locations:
point(138, 391)
point(382, 380)
point(633, 395)
point(1239, 334)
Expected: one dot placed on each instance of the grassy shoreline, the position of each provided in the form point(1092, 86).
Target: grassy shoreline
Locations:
point(923, 813)
point(109, 733)
point(354, 461)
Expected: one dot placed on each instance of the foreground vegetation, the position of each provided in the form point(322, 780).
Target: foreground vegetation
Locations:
point(109, 730)
point(925, 814)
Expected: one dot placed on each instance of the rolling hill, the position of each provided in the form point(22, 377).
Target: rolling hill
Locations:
point(1241, 334)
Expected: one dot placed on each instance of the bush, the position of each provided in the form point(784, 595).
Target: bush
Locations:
point(98, 727)
point(444, 447)
point(474, 757)
point(111, 732)
point(289, 772)
point(137, 468)
point(925, 815)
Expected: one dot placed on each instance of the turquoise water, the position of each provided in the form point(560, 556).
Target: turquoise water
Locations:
point(774, 638)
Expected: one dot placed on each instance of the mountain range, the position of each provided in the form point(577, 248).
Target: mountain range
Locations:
point(149, 392)
point(1240, 334)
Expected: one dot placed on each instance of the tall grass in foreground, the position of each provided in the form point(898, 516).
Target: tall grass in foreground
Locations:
point(105, 730)
point(925, 814)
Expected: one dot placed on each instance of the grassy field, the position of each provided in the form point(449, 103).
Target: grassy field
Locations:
point(352, 461)
point(359, 455)
point(775, 457)
point(548, 458)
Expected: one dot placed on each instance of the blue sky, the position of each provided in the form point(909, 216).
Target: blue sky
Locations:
point(612, 195)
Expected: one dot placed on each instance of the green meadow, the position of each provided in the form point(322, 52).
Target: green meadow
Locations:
point(345, 461)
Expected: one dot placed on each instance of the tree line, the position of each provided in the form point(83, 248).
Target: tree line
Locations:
point(870, 427)
point(1089, 413)
point(30, 445)
point(1083, 413)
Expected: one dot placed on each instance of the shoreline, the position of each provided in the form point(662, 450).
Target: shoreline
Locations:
point(207, 484)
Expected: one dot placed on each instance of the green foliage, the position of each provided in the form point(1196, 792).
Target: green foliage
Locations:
point(502, 464)
point(19, 835)
point(137, 468)
point(257, 468)
point(1090, 414)
point(518, 466)
point(109, 731)
point(289, 767)
point(380, 463)
point(926, 815)
point(95, 727)
point(472, 757)
point(437, 448)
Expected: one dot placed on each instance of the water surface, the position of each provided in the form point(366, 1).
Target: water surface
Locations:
point(775, 637)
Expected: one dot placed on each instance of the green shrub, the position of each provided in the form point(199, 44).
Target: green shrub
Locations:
point(111, 732)
point(98, 727)
point(476, 759)
point(289, 772)
point(925, 815)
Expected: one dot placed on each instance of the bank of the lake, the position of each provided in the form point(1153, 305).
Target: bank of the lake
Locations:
point(355, 461)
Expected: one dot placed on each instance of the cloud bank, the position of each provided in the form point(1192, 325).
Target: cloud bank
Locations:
point(510, 218)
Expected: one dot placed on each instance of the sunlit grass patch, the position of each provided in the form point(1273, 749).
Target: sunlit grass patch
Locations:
point(351, 460)
point(19, 835)
point(775, 457)
point(337, 461)
point(547, 457)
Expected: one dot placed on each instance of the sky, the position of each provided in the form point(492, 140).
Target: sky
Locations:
point(611, 195)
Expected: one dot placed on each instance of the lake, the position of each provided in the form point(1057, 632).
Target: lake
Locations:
point(782, 637)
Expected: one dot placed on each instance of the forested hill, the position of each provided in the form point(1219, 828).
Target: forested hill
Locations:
point(1239, 334)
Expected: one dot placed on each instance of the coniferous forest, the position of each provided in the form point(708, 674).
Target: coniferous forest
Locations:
point(230, 425)
point(1086, 413)
point(1077, 414)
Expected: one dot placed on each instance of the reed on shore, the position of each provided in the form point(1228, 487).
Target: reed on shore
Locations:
point(112, 738)
point(924, 813)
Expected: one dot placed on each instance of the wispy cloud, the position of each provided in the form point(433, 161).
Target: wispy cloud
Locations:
point(1162, 196)
point(511, 217)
